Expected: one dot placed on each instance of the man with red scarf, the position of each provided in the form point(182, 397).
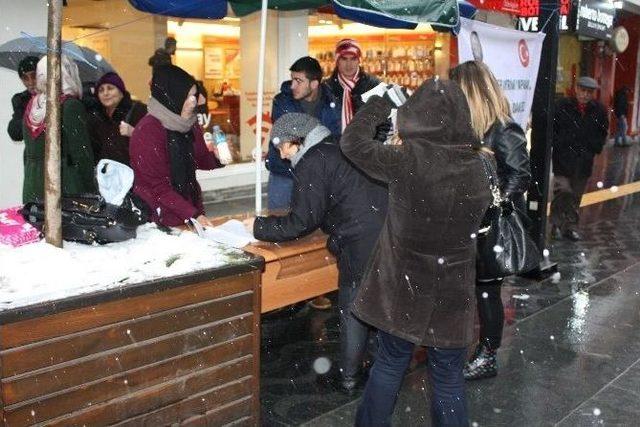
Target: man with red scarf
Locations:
point(348, 82)
point(580, 131)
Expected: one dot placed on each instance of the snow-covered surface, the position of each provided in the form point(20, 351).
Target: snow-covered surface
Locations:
point(39, 272)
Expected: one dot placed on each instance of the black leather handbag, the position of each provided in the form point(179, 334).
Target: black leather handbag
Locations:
point(87, 218)
point(504, 245)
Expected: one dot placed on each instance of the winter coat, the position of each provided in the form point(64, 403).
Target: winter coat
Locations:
point(365, 83)
point(152, 182)
point(77, 165)
point(329, 117)
point(19, 102)
point(509, 144)
point(420, 282)
point(105, 131)
point(329, 193)
point(578, 138)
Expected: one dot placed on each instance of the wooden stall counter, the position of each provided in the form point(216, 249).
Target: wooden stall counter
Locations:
point(177, 351)
point(295, 271)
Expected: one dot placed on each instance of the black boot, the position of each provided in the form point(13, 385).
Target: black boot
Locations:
point(483, 364)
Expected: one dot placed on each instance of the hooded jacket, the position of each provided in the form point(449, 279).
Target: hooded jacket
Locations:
point(420, 282)
point(328, 115)
point(329, 193)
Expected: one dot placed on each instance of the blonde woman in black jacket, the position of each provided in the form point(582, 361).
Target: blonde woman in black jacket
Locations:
point(492, 123)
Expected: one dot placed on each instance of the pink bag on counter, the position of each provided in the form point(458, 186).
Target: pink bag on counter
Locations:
point(14, 230)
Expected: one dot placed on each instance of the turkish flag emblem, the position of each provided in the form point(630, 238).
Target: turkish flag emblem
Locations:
point(523, 53)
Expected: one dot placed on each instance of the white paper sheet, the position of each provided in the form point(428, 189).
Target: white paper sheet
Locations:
point(230, 233)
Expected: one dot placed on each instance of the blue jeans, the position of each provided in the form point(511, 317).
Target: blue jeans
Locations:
point(621, 130)
point(444, 365)
point(279, 192)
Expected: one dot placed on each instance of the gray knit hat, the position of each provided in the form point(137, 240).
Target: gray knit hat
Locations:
point(292, 126)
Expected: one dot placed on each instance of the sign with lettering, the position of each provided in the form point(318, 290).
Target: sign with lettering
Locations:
point(506, 6)
point(529, 15)
point(512, 56)
point(595, 19)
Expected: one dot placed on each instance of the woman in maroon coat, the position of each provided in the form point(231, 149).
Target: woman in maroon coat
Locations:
point(166, 148)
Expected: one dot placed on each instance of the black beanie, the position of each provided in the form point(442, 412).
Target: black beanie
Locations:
point(170, 86)
point(27, 64)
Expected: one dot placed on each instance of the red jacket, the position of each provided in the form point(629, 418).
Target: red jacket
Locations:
point(152, 182)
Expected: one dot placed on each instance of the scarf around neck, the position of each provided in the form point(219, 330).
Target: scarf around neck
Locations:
point(168, 118)
point(36, 112)
point(180, 140)
point(71, 87)
point(347, 104)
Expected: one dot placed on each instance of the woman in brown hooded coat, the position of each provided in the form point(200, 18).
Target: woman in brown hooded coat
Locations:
point(419, 288)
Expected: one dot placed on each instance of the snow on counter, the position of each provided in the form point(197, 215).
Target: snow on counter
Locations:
point(40, 272)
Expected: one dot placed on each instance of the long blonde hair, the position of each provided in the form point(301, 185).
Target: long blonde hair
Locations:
point(487, 102)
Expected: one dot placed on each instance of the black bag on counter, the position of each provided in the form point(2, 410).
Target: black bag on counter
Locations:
point(504, 245)
point(87, 218)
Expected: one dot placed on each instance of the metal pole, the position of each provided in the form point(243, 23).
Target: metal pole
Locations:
point(260, 97)
point(52, 172)
point(542, 112)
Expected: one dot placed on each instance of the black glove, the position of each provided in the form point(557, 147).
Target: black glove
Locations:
point(382, 131)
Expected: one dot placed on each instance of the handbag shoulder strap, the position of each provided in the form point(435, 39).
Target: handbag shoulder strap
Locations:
point(490, 172)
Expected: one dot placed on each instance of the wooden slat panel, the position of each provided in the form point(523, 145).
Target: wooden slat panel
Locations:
point(257, 301)
point(51, 406)
point(149, 400)
point(283, 292)
point(194, 406)
point(225, 415)
point(243, 422)
point(42, 328)
point(63, 349)
point(305, 263)
point(275, 251)
point(77, 373)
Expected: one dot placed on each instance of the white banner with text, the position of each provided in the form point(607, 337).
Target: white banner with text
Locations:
point(513, 56)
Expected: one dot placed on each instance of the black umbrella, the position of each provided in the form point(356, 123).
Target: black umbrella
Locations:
point(91, 64)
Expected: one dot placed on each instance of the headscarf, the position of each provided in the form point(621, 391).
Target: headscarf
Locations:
point(347, 47)
point(36, 110)
point(170, 86)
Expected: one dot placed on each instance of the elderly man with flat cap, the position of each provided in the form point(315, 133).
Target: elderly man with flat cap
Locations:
point(580, 131)
point(27, 73)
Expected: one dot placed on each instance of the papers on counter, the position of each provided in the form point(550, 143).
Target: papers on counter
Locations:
point(231, 233)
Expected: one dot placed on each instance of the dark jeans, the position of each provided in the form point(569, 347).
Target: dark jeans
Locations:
point(354, 334)
point(490, 312)
point(621, 130)
point(279, 191)
point(444, 365)
point(567, 194)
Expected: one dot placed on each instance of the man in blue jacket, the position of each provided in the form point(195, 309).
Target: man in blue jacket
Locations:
point(304, 93)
